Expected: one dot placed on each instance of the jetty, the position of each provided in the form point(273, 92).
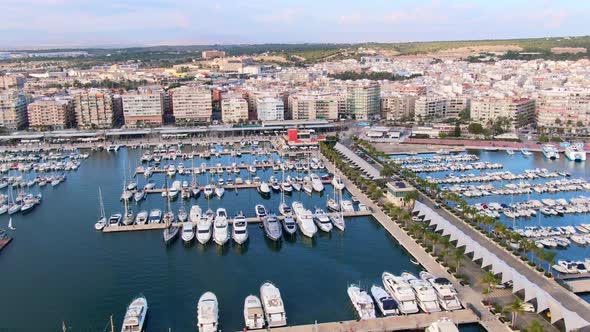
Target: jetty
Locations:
point(392, 323)
point(250, 220)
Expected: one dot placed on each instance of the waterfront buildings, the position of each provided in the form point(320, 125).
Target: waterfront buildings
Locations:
point(143, 107)
point(270, 109)
point(521, 112)
point(234, 109)
point(363, 99)
point(13, 109)
point(312, 106)
point(433, 106)
point(397, 106)
point(51, 113)
point(94, 108)
point(191, 105)
point(564, 109)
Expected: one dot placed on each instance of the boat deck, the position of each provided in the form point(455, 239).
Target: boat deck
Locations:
point(251, 220)
point(393, 323)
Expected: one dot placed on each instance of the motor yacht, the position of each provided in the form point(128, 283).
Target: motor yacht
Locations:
point(575, 152)
point(188, 232)
point(442, 325)
point(208, 191)
point(272, 227)
point(425, 293)
point(272, 302)
point(155, 216)
point(445, 291)
point(550, 152)
point(220, 227)
point(284, 209)
point(347, 206)
point(304, 220)
point(386, 304)
point(182, 215)
point(402, 292)
point(240, 229)
point(260, 211)
point(337, 182)
point(338, 221)
point(322, 220)
point(289, 224)
point(264, 189)
point(219, 191)
point(135, 315)
point(195, 214)
point(208, 313)
point(253, 313)
point(316, 183)
point(141, 218)
point(115, 220)
point(204, 229)
point(362, 302)
point(286, 187)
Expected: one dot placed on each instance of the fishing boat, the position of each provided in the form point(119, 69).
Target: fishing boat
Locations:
point(253, 313)
point(155, 216)
point(220, 227)
point(550, 152)
point(240, 229)
point(208, 313)
point(304, 220)
point(362, 302)
point(401, 291)
point(188, 232)
point(135, 315)
point(575, 152)
point(260, 211)
point(322, 220)
point(386, 304)
point(102, 220)
point(272, 302)
point(272, 227)
point(141, 218)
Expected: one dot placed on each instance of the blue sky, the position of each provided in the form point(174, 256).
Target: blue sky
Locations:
point(73, 23)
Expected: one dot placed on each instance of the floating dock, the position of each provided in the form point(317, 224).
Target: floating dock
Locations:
point(393, 323)
point(250, 220)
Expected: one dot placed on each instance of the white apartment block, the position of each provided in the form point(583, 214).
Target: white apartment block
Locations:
point(13, 110)
point(563, 108)
point(191, 104)
point(143, 107)
point(93, 108)
point(51, 113)
point(521, 112)
point(270, 109)
point(363, 99)
point(439, 107)
point(308, 106)
point(234, 109)
point(397, 106)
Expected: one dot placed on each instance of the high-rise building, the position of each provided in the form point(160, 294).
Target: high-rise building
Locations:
point(363, 99)
point(395, 107)
point(520, 112)
point(439, 107)
point(270, 109)
point(234, 108)
point(11, 81)
point(143, 107)
point(13, 110)
point(312, 106)
point(564, 109)
point(94, 109)
point(191, 104)
point(51, 114)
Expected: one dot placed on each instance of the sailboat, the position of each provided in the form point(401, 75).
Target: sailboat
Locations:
point(284, 209)
point(338, 219)
point(171, 231)
point(10, 224)
point(102, 221)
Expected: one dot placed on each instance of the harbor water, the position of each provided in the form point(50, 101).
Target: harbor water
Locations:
point(59, 269)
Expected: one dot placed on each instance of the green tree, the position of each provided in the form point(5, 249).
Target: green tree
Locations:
point(465, 115)
point(475, 128)
point(488, 279)
point(410, 197)
point(457, 131)
point(515, 307)
point(535, 326)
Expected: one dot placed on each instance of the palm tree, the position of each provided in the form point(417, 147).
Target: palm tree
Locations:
point(515, 307)
point(535, 326)
point(488, 279)
point(549, 258)
point(410, 197)
point(457, 257)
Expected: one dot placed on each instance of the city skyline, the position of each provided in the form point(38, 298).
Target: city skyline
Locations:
point(65, 23)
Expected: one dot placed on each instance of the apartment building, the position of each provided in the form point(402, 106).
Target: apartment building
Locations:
point(51, 114)
point(191, 104)
point(210, 54)
point(13, 110)
point(270, 109)
point(234, 108)
point(312, 106)
point(143, 107)
point(395, 107)
point(432, 107)
point(363, 99)
point(94, 109)
point(11, 81)
point(521, 111)
point(563, 108)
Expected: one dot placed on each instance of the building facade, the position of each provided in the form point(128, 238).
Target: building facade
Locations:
point(270, 109)
point(51, 114)
point(521, 112)
point(94, 109)
point(395, 107)
point(234, 109)
point(210, 54)
point(306, 106)
point(143, 108)
point(439, 107)
point(13, 110)
point(191, 104)
point(363, 99)
point(564, 109)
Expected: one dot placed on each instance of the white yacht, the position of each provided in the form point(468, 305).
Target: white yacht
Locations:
point(575, 152)
point(220, 227)
point(208, 313)
point(115, 219)
point(322, 220)
point(264, 188)
point(338, 221)
point(195, 214)
point(550, 151)
point(386, 304)
point(284, 209)
point(253, 313)
point(442, 325)
point(99, 225)
point(188, 232)
point(135, 315)
point(362, 302)
point(402, 292)
point(425, 293)
point(445, 291)
point(219, 191)
point(203, 229)
point(272, 227)
point(155, 216)
point(141, 218)
point(260, 211)
point(525, 152)
point(274, 310)
point(182, 215)
point(304, 219)
point(139, 195)
point(333, 204)
point(208, 191)
point(347, 206)
point(286, 186)
point(316, 183)
point(240, 229)
point(337, 182)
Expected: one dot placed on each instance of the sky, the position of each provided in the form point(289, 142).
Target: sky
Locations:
point(87, 23)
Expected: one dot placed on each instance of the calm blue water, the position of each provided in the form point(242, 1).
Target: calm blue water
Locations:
point(60, 269)
point(517, 163)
